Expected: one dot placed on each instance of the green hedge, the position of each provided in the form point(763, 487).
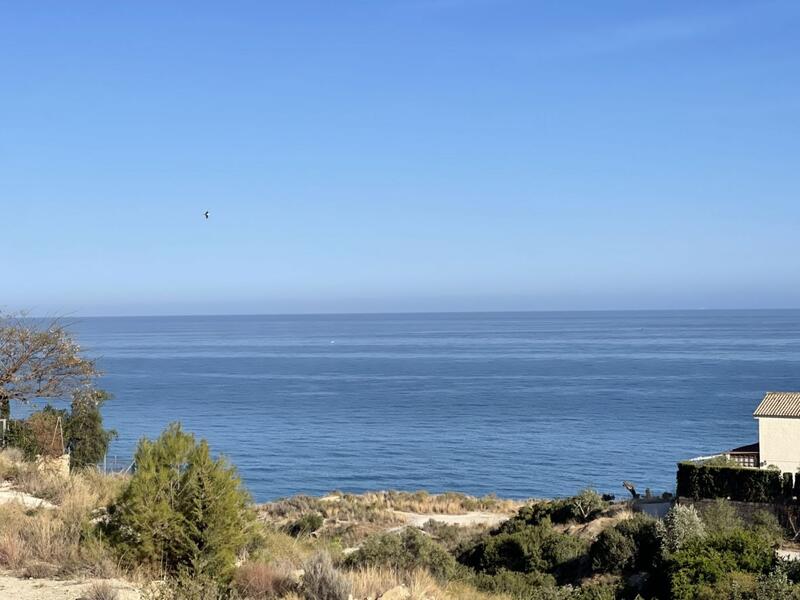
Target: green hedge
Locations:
point(736, 483)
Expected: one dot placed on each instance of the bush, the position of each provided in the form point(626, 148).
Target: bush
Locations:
point(512, 583)
point(261, 581)
point(583, 507)
point(736, 483)
point(766, 525)
point(305, 525)
point(631, 545)
point(322, 582)
point(587, 504)
point(535, 548)
point(704, 562)
point(85, 436)
point(186, 586)
point(680, 526)
point(102, 590)
point(182, 510)
point(406, 551)
point(613, 552)
point(50, 432)
point(721, 517)
point(643, 531)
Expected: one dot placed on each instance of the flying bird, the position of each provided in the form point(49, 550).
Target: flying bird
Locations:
point(205, 214)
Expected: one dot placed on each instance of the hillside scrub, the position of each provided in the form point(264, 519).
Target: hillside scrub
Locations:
point(63, 540)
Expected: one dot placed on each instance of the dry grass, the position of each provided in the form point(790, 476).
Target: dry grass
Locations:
point(101, 590)
point(351, 518)
point(10, 461)
point(377, 507)
point(372, 582)
point(262, 581)
point(277, 546)
point(63, 540)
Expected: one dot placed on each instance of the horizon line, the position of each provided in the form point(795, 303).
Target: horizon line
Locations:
point(419, 312)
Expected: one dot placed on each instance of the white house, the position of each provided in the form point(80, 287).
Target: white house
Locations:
point(778, 418)
point(778, 445)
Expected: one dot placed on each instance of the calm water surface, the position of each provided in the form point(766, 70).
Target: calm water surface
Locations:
point(521, 404)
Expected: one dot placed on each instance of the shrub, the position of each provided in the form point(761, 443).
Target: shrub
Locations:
point(50, 432)
point(766, 525)
point(305, 525)
point(182, 509)
point(185, 586)
point(261, 581)
point(45, 429)
point(596, 591)
point(582, 507)
point(643, 531)
point(452, 537)
point(587, 504)
point(721, 517)
point(534, 548)
point(702, 562)
point(85, 436)
point(407, 551)
point(517, 585)
point(613, 552)
point(681, 525)
point(101, 590)
point(322, 582)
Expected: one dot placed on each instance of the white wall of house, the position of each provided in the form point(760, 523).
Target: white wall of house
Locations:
point(779, 442)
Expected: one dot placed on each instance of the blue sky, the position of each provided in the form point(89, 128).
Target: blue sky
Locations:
point(398, 155)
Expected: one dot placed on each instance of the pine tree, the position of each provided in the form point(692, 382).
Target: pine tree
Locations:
point(183, 510)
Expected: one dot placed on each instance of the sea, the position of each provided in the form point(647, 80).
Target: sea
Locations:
point(522, 405)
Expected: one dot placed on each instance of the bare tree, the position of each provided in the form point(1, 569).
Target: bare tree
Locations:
point(39, 360)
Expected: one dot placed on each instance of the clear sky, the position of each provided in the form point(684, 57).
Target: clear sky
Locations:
point(393, 155)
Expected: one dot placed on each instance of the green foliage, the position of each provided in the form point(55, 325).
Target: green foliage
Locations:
point(630, 546)
point(534, 548)
point(595, 592)
point(765, 524)
point(721, 517)
point(182, 510)
point(516, 585)
point(681, 525)
point(587, 504)
point(85, 436)
point(186, 586)
point(409, 550)
point(707, 562)
point(721, 460)
point(613, 552)
point(736, 483)
point(305, 525)
point(583, 507)
point(51, 431)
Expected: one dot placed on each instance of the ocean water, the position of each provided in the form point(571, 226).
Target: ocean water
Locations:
point(519, 404)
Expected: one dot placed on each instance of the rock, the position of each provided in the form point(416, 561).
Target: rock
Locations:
point(400, 592)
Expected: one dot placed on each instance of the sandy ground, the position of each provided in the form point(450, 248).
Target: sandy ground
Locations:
point(7, 494)
point(470, 518)
point(48, 589)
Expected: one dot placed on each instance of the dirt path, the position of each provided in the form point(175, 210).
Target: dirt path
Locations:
point(49, 589)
